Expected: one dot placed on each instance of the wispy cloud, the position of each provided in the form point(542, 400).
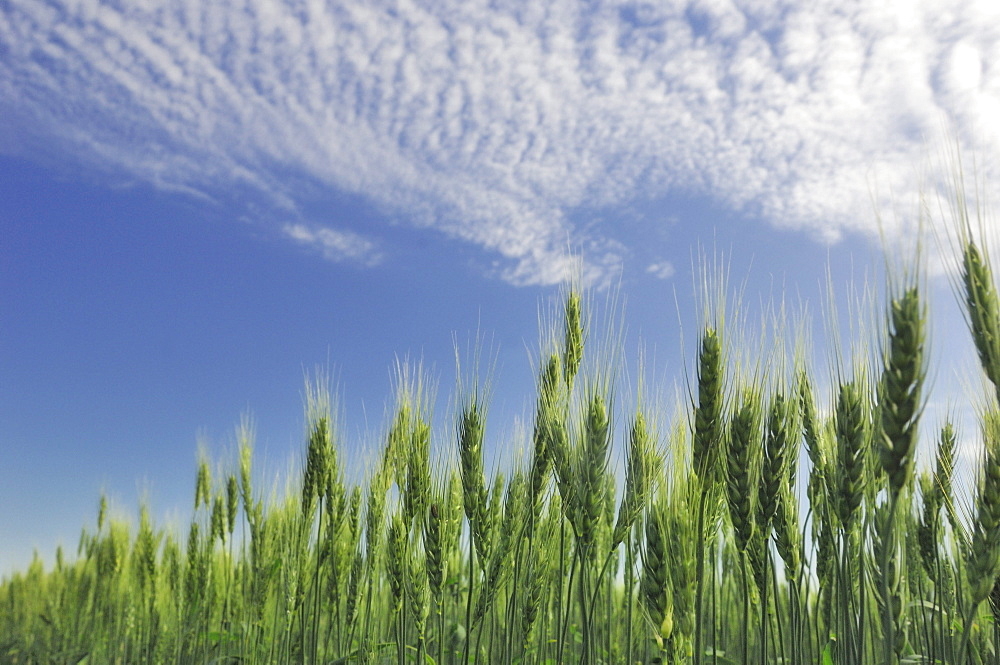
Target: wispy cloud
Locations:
point(661, 269)
point(335, 245)
point(492, 124)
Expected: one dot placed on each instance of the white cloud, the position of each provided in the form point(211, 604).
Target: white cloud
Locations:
point(491, 124)
point(661, 269)
point(336, 246)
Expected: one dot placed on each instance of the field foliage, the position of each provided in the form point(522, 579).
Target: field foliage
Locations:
point(759, 523)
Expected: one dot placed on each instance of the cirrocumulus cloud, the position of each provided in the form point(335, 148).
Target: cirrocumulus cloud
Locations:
point(493, 123)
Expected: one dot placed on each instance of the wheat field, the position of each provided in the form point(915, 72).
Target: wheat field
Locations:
point(758, 522)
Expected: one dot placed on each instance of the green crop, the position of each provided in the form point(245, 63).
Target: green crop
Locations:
point(631, 533)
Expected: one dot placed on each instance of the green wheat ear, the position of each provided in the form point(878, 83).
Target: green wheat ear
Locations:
point(203, 485)
point(318, 463)
point(810, 423)
point(396, 559)
point(655, 588)
point(708, 426)
point(927, 529)
point(573, 342)
point(983, 310)
point(541, 461)
point(983, 555)
point(774, 472)
point(433, 548)
point(742, 468)
point(641, 462)
point(943, 471)
point(418, 474)
point(901, 387)
point(593, 462)
point(245, 436)
point(102, 510)
point(851, 478)
point(232, 502)
point(218, 518)
point(470, 449)
point(536, 573)
point(144, 556)
point(787, 537)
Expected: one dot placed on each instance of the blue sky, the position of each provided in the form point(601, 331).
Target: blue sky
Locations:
point(200, 202)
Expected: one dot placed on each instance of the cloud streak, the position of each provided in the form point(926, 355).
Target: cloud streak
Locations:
point(334, 245)
point(493, 125)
